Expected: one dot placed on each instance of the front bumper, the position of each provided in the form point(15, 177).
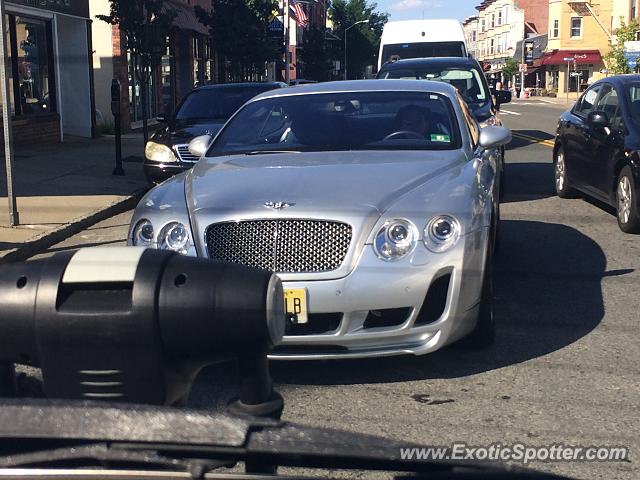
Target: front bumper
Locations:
point(376, 286)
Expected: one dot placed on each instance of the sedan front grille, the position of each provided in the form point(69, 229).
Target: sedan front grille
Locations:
point(185, 155)
point(281, 246)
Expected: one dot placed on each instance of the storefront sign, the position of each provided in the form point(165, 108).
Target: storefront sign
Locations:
point(79, 8)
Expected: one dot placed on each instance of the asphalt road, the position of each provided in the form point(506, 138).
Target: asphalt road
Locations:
point(566, 363)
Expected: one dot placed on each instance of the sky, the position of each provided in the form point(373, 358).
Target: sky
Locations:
point(418, 9)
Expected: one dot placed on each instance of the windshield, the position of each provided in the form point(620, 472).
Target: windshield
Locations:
point(216, 103)
point(398, 51)
point(467, 80)
point(342, 121)
point(634, 101)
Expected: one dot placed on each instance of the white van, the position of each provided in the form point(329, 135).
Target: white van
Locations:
point(420, 39)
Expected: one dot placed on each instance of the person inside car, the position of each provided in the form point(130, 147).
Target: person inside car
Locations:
point(412, 118)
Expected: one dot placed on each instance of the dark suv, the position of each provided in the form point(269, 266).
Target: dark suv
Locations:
point(466, 75)
point(203, 111)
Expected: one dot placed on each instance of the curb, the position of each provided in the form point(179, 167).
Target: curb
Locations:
point(46, 240)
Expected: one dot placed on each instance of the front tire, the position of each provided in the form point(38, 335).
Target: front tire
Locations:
point(627, 203)
point(563, 190)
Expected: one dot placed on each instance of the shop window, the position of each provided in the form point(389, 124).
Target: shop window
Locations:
point(29, 66)
point(167, 80)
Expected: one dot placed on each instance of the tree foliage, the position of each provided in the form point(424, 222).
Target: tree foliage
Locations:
point(144, 26)
point(239, 31)
point(363, 40)
point(315, 55)
point(510, 68)
point(615, 59)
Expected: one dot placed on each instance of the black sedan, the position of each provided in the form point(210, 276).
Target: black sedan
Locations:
point(203, 111)
point(597, 147)
point(467, 76)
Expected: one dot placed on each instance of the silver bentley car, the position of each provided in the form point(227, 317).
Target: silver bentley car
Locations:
point(375, 202)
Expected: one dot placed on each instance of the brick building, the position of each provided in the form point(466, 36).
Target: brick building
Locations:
point(188, 61)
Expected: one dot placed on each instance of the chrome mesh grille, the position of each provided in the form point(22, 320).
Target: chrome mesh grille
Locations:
point(185, 155)
point(281, 246)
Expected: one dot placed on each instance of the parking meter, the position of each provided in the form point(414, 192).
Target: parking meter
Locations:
point(116, 105)
point(137, 325)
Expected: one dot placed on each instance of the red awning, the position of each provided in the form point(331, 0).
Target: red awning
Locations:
point(557, 57)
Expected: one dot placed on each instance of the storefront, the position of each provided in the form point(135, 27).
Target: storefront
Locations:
point(572, 70)
point(50, 78)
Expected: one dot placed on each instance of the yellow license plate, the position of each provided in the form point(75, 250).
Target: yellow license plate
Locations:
point(295, 304)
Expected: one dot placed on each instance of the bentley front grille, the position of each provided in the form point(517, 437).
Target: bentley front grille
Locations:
point(281, 246)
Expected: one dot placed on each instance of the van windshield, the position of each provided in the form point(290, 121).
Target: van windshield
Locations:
point(398, 51)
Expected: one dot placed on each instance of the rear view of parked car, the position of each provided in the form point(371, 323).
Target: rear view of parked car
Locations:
point(203, 111)
point(596, 148)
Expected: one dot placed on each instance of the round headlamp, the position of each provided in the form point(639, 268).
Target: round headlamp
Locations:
point(441, 233)
point(143, 234)
point(157, 152)
point(174, 236)
point(395, 239)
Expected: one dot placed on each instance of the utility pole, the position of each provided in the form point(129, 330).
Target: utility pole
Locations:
point(345, 44)
point(287, 41)
point(14, 218)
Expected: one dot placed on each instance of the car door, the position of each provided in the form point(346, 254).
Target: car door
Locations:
point(575, 136)
point(604, 144)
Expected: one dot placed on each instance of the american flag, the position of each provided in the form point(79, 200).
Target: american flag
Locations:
point(299, 14)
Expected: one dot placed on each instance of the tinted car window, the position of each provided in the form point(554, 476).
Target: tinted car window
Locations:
point(472, 126)
point(634, 101)
point(466, 79)
point(609, 104)
point(586, 102)
point(398, 51)
point(216, 103)
point(342, 121)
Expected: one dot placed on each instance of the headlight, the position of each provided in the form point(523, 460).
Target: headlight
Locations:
point(143, 234)
point(441, 233)
point(174, 236)
point(395, 239)
point(159, 153)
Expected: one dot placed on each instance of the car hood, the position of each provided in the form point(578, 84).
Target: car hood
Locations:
point(184, 132)
point(318, 183)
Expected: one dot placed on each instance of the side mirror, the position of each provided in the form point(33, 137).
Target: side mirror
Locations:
point(199, 145)
point(598, 119)
point(491, 137)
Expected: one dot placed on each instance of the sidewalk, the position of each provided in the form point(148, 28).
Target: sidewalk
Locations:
point(64, 188)
point(560, 101)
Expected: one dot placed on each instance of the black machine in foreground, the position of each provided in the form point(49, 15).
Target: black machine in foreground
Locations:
point(120, 335)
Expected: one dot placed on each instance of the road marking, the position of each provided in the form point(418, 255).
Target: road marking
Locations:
point(509, 112)
point(541, 141)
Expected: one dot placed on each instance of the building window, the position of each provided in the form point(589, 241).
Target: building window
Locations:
point(30, 68)
point(473, 36)
point(167, 80)
point(505, 15)
point(491, 47)
point(634, 9)
point(576, 27)
point(499, 17)
point(493, 20)
point(555, 31)
point(484, 29)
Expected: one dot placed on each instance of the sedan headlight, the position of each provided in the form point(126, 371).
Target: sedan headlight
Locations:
point(143, 234)
point(157, 152)
point(441, 233)
point(174, 236)
point(395, 239)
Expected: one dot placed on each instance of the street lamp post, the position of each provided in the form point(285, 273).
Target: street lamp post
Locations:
point(345, 44)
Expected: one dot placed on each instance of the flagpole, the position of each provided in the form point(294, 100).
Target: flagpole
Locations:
point(287, 75)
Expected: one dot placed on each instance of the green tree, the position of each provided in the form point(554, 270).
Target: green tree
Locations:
point(510, 68)
point(144, 26)
point(364, 39)
point(315, 55)
point(239, 32)
point(615, 59)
